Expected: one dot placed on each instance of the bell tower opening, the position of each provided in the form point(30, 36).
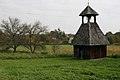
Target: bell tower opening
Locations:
point(90, 14)
point(86, 19)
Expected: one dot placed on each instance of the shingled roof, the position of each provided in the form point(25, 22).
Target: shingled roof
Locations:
point(90, 34)
point(88, 11)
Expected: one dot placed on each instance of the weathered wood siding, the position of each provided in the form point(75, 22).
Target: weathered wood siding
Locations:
point(90, 52)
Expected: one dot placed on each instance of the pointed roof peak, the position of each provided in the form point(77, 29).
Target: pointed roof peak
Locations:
point(88, 11)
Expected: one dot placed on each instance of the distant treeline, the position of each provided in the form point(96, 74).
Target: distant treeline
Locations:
point(13, 33)
point(113, 38)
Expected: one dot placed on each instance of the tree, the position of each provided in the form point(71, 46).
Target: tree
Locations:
point(35, 36)
point(117, 34)
point(113, 38)
point(57, 37)
point(55, 44)
point(12, 30)
point(58, 34)
point(108, 34)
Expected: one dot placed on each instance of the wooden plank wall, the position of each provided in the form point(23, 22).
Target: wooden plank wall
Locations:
point(90, 52)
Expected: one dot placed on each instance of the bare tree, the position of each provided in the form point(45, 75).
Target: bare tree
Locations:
point(55, 45)
point(12, 32)
point(57, 37)
point(36, 36)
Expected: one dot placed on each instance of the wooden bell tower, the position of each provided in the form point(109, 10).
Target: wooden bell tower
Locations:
point(89, 42)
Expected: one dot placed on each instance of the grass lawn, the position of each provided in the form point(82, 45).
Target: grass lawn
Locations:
point(23, 65)
point(66, 68)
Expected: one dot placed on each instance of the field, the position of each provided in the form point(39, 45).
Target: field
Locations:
point(63, 51)
point(113, 49)
point(59, 66)
point(60, 69)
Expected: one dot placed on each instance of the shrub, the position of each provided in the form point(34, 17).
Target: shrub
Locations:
point(114, 56)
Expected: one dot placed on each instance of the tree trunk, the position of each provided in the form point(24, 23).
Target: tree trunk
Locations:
point(34, 48)
point(30, 48)
point(14, 49)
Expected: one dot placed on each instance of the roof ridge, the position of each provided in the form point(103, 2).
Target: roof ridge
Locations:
point(89, 33)
point(88, 11)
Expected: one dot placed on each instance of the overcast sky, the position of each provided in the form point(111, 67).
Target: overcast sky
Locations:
point(63, 14)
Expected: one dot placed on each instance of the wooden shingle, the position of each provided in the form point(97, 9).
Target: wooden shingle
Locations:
point(90, 34)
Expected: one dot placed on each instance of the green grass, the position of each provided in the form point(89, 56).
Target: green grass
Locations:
point(63, 51)
point(60, 69)
point(24, 65)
